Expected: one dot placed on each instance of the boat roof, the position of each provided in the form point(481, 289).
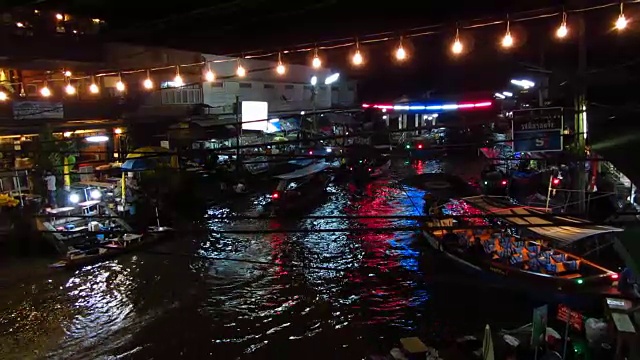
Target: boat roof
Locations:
point(563, 234)
point(305, 171)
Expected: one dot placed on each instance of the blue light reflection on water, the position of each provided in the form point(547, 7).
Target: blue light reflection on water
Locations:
point(370, 291)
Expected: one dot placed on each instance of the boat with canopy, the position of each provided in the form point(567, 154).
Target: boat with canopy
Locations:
point(521, 243)
point(297, 188)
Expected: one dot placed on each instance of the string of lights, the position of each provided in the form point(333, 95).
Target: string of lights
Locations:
point(358, 59)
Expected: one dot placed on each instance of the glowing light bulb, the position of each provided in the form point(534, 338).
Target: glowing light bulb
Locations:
point(621, 23)
point(316, 62)
point(457, 47)
point(3, 96)
point(59, 16)
point(44, 91)
point(67, 73)
point(178, 80)
point(507, 40)
point(94, 89)
point(281, 69)
point(357, 58)
point(401, 54)
point(241, 71)
point(120, 86)
point(562, 31)
point(70, 90)
point(209, 76)
point(147, 83)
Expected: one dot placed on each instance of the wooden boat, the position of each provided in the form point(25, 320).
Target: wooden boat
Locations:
point(299, 188)
point(535, 257)
point(366, 162)
point(112, 248)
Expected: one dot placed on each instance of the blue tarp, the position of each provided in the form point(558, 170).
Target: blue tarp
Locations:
point(139, 164)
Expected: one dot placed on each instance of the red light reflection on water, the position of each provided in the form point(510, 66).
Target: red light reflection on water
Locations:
point(278, 241)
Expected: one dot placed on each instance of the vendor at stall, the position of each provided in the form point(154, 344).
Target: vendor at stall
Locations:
point(50, 181)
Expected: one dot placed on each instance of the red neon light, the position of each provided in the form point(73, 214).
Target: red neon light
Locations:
point(556, 181)
point(419, 146)
point(504, 182)
point(366, 105)
point(275, 195)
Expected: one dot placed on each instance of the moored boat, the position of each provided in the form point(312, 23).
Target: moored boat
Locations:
point(111, 248)
point(536, 258)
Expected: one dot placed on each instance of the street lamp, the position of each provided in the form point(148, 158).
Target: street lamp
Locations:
point(507, 94)
point(332, 78)
point(314, 80)
point(525, 84)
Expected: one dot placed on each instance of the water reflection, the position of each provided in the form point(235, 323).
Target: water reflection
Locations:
point(276, 295)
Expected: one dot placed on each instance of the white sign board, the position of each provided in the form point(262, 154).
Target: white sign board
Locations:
point(38, 110)
point(252, 111)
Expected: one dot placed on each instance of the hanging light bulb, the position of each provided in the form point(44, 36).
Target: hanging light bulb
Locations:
point(562, 29)
point(209, 75)
point(93, 88)
point(148, 83)
point(240, 70)
point(507, 40)
point(70, 89)
point(622, 22)
point(401, 54)
point(67, 73)
point(44, 90)
point(357, 58)
point(457, 47)
point(316, 63)
point(178, 79)
point(120, 85)
point(3, 96)
point(280, 69)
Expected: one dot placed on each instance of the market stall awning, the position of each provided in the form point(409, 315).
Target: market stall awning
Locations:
point(564, 233)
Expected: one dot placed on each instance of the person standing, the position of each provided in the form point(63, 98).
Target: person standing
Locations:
point(50, 181)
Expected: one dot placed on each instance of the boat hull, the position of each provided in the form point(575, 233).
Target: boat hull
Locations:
point(150, 239)
point(545, 287)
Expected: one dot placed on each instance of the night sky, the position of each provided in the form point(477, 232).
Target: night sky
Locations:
point(235, 27)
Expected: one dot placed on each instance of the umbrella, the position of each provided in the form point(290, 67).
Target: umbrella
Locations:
point(145, 158)
point(487, 345)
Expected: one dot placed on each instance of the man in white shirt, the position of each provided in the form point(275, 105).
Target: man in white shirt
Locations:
point(50, 181)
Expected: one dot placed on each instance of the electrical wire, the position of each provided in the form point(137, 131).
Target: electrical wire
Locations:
point(515, 17)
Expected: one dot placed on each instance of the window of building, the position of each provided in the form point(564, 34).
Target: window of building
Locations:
point(216, 84)
point(288, 87)
point(269, 86)
point(245, 85)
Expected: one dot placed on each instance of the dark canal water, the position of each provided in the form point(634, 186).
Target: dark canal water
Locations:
point(349, 295)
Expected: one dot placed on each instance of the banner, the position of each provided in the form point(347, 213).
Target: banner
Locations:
point(539, 325)
point(38, 110)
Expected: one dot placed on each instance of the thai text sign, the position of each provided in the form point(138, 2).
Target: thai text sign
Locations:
point(574, 318)
point(538, 130)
